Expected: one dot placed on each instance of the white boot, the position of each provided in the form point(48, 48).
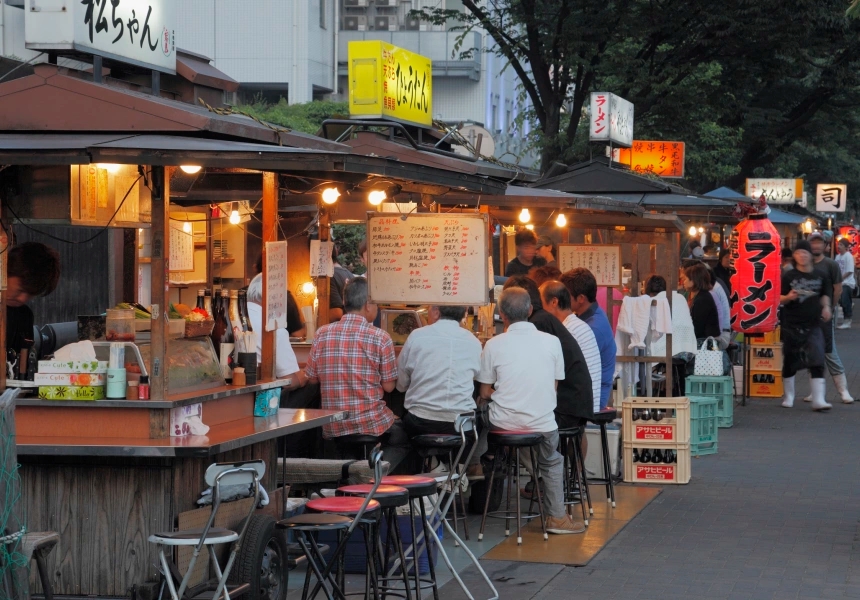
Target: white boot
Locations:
point(842, 386)
point(845, 325)
point(788, 392)
point(818, 388)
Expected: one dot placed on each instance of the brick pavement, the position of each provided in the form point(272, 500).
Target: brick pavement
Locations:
point(773, 515)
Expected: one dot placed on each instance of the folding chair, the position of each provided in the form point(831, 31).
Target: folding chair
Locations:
point(217, 476)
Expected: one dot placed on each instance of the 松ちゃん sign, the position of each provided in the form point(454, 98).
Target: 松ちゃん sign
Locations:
point(138, 32)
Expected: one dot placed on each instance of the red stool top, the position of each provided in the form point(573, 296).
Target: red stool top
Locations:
point(418, 486)
point(364, 489)
point(341, 505)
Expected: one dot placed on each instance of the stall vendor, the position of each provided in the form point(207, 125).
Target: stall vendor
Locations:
point(526, 242)
point(33, 270)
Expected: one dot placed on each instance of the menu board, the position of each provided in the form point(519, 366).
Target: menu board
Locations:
point(181, 248)
point(276, 286)
point(603, 260)
point(427, 258)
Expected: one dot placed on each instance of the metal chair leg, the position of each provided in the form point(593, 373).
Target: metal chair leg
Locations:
point(489, 493)
point(536, 468)
point(578, 442)
point(607, 467)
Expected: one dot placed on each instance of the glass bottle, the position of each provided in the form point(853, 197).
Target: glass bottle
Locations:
point(207, 303)
point(222, 336)
point(243, 311)
point(635, 455)
point(200, 299)
point(235, 317)
point(645, 456)
point(658, 457)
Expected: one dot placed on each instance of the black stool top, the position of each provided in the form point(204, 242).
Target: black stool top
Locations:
point(570, 432)
point(388, 496)
point(356, 438)
point(418, 486)
point(315, 521)
point(515, 438)
point(438, 440)
point(607, 415)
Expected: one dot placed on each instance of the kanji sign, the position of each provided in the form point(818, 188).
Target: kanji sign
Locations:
point(387, 81)
point(138, 32)
point(755, 282)
point(831, 197)
point(665, 159)
point(776, 191)
point(611, 119)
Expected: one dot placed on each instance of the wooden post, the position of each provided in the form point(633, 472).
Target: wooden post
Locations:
point(323, 282)
point(270, 234)
point(5, 242)
point(160, 271)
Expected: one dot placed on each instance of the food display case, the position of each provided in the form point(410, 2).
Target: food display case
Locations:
point(399, 323)
point(192, 365)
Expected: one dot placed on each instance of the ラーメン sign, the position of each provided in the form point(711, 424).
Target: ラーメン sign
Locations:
point(138, 32)
point(390, 82)
point(611, 119)
point(776, 191)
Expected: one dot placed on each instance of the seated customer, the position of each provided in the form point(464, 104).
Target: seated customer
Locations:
point(437, 369)
point(519, 373)
point(354, 363)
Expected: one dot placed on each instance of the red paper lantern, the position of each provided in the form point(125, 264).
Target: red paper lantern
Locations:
point(756, 281)
point(851, 234)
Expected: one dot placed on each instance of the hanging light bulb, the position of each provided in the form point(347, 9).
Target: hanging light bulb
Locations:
point(561, 220)
point(308, 288)
point(525, 217)
point(186, 227)
point(376, 197)
point(190, 169)
point(109, 167)
point(330, 195)
point(701, 230)
point(530, 227)
point(235, 219)
point(693, 230)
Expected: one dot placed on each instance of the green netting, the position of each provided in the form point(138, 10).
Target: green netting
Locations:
point(13, 564)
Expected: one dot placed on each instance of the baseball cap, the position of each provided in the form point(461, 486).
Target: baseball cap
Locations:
point(815, 235)
point(803, 245)
point(544, 240)
point(698, 252)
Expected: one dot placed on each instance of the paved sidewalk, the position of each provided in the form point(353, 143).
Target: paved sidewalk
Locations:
point(773, 515)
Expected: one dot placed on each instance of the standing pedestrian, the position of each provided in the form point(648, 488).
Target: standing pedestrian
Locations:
point(845, 260)
point(805, 299)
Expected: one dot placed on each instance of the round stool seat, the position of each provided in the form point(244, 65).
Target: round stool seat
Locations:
point(438, 440)
point(356, 438)
point(388, 496)
point(570, 432)
point(341, 505)
point(418, 486)
point(514, 438)
point(315, 521)
point(607, 415)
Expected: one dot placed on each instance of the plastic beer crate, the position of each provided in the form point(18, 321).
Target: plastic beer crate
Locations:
point(722, 388)
point(672, 429)
point(703, 425)
point(765, 339)
point(676, 473)
point(766, 363)
point(758, 389)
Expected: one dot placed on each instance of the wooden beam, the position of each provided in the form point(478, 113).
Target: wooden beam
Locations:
point(270, 234)
point(323, 283)
point(5, 243)
point(158, 376)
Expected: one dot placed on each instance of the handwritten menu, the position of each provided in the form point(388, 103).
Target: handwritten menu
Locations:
point(321, 262)
point(276, 286)
point(603, 260)
point(181, 248)
point(428, 259)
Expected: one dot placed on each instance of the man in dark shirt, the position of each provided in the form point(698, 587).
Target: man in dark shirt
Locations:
point(805, 300)
point(338, 282)
point(526, 243)
point(33, 270)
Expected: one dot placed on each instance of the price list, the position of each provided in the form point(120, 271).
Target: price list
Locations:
point(603, 260)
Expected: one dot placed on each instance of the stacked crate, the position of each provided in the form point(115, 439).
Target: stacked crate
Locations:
point(672, 432)
point(703, 425)
point(765, 372)
point(720, 388)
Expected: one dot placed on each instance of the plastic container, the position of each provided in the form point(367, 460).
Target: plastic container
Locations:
point(703, 425)
point(119, 326)
point(116, 387)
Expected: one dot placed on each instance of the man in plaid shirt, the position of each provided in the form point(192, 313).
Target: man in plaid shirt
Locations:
point(354, 363)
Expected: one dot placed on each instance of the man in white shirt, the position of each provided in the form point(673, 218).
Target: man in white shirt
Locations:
point(520, 370)
point(437, 369)
point(556, 301)
point(845, 260)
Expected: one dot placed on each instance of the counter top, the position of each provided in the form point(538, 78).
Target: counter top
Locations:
point(220, 438)
point(173, 400)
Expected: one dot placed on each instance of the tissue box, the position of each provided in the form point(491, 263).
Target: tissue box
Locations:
point(73, 366)
point(69, 379)
point(267, 402)
point(185, 419)
point(72, 392)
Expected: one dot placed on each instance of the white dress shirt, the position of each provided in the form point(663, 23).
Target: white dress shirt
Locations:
point(846, 265)
point(523, 365)
point(584, 336)
point(437, 369)
point(285, 358)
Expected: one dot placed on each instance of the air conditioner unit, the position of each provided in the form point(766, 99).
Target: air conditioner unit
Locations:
point(355, 23)
point(351, 3)
point(385, 23)
point(411, 24)
point(425, 27)
point(381, 3)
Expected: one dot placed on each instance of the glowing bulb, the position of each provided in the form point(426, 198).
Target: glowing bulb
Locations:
point(561, 220)
point(235, 218)
point(701, 230)
point(530, 227)
point(376, 197)
point(525, 217)
point(109, 167)
point(190, 169)
point(308, 287)
point(186, 227)
point(693, 230)
point(330, 195)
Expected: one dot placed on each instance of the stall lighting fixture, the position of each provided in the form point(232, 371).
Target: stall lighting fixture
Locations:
point(186, 227)
point(330, 195)
point(190, 169)
point(807, 226)
point(525, 217)
point(308, 288)
point(530, 227)
point(235, 218)
point(376, 197)
point(109, 167)
point(561, 220)
point(701, 230)
point(693, 231)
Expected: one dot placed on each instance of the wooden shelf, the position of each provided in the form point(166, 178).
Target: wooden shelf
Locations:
point(144, 261)
point(223, 261)
point(199, 245)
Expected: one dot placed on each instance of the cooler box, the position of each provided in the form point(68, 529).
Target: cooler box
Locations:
point(594, 458)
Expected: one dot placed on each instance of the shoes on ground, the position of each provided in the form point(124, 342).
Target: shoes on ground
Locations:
point(563, 525)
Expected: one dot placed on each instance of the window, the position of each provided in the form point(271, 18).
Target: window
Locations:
point(322, 14)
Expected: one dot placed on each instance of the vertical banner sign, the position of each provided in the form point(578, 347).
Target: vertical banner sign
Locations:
point(831, 197)
point(321, 263)
point(756, 280)
point(611, 119)
point(850, 233)
point(275, 315)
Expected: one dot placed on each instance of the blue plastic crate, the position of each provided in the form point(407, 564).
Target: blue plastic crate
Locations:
point(721, 388)
point(703, 425)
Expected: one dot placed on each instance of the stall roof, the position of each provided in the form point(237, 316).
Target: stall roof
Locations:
point(726, 194)
point(782, 217)
point(597, 177)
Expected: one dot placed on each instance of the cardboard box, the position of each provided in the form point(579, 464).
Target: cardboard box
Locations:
point(69, 379)
point(73, 366)
point(72, 392)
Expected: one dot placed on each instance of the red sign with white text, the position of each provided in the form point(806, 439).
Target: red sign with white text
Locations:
point(656, 472)
point(654, 432)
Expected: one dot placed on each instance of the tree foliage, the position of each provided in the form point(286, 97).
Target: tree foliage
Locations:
point(306, 117)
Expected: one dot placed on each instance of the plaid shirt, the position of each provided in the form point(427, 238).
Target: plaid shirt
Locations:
point(351, 358)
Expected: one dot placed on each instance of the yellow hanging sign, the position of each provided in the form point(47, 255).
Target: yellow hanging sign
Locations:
point(389, 82)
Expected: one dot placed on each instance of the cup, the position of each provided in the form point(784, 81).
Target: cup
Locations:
point(248, 361)
point(116, 384)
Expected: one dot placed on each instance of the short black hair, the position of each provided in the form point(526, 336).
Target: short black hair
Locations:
point(452, 313)
point(655, 285)
point(259, 264)
point(558, 291)
point(580, 282)
point(528, 284)
point(36, 265)
point(525, 236)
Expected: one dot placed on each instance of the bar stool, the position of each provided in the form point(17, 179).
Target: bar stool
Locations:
point(570, 447)
point(602, 418)
point(390, 498)
point(431, 444)
point(355, 445)
point(513, 441)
